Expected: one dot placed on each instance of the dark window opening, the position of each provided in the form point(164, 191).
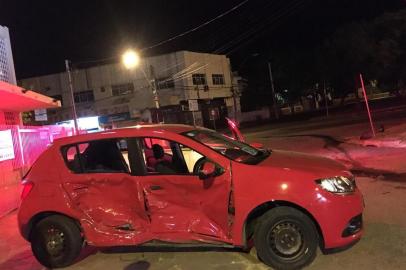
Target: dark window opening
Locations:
point(84, 96)
point(199, 79)
point(122, 89)
point(167, 157)
point(98, 156)
point(218, 79)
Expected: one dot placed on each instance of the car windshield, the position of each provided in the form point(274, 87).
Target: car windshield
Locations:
point(232, 149)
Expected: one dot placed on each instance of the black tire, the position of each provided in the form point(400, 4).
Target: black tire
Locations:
point(286, 239)
point(56, 241)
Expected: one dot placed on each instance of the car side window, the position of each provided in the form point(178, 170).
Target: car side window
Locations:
point(99, 156)
point(168, 157)
point(191, 157)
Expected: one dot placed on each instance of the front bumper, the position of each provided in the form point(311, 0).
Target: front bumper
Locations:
point(340, 218)
point(353, 227)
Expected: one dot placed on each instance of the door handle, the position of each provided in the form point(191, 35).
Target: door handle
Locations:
point(155, 187)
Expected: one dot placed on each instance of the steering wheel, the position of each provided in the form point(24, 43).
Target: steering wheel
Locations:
point(199, 163)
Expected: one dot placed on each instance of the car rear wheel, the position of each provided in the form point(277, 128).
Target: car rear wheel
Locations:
point(56, 241)
point(286, 239)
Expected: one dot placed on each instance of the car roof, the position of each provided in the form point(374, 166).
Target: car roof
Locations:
point(139, 130)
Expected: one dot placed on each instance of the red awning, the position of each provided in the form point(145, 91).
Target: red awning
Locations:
point(17, 99)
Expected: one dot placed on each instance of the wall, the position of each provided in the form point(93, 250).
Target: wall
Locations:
point(177, 66)
point(253, 116)
point(28, 144)
point(208, 64)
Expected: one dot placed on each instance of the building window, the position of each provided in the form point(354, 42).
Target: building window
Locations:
point(165, 83)
point(122, 89)
point(199, 79)
point(84, 96)
point(218, 79)
point(4, 65)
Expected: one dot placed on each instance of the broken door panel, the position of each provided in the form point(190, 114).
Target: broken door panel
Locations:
point(111, 203)
point(185, 204)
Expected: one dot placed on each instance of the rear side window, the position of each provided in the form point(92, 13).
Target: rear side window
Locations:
point(99, 156)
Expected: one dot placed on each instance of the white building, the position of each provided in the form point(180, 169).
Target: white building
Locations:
point(7, 73)
point(120, 96)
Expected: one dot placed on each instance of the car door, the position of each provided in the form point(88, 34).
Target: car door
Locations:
point(100, 184)
point(181, 206)
point(234, 131)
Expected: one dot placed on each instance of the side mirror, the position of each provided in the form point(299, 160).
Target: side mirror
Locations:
point(207, 170)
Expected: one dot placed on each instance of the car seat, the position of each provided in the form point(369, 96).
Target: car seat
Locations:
point(162, 165)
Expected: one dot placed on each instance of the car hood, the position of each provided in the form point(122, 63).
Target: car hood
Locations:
point(294, 161)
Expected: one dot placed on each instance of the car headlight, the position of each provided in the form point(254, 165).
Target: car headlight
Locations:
point(337, 184)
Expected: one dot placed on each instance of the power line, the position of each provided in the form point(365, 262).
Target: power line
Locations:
point(174, 37)
point(284, 14)
point(238, 41)
point(197, 27)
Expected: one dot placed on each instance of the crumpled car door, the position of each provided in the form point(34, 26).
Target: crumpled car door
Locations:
point(111, 203)
point(183, 207)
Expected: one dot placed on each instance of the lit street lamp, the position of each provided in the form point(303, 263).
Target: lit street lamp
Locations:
point(131, 59)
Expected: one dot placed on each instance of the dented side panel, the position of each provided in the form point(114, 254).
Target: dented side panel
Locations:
point(122, 209)
point(188, 207)
point(112, 206)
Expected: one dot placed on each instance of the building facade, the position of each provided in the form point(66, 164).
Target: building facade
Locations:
point(7, 73)
point(191, 87)
point(19, 146)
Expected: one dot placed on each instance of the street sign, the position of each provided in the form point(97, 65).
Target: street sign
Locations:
point(193, 105)
point(6, 145)
point(41, 115)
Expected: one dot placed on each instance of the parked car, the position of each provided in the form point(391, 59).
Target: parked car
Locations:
point(185, 185)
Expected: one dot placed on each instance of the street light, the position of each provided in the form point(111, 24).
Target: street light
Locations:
point(131, 59)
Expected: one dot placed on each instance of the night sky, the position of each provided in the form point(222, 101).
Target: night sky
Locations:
point(44, 33)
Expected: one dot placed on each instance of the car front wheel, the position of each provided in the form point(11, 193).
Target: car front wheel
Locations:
point(286, 239)
point(56, 241)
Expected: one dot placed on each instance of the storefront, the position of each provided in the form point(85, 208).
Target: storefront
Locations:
point(20, 145)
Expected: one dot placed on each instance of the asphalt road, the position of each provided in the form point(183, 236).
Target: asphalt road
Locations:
point(387, 117)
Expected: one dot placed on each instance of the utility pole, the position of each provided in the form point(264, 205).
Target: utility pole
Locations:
point(273, 91)
point(72, 97)
point(153, 87)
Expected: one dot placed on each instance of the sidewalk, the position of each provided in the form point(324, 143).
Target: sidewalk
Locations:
point(393, 137)
point(383, 155)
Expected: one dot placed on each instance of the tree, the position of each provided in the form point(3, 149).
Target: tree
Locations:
point(375, 48)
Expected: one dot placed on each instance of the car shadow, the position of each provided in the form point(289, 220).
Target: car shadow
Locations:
point(145, 265)
point(140, 265)
point(22, 260)
point(142, 249)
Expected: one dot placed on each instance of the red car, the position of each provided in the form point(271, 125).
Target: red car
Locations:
point(185, 185)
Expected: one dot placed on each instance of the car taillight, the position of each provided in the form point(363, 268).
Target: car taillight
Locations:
point(27, 187)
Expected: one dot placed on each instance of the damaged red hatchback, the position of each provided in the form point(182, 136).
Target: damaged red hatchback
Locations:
point(185, 185)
